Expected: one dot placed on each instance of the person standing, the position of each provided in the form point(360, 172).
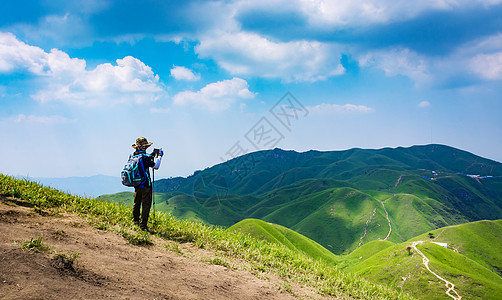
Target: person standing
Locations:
point(143, 192)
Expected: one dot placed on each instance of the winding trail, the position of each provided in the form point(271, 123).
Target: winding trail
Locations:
point(399, 180)
point(450, 286)
point(366, 228)
point(390, 226)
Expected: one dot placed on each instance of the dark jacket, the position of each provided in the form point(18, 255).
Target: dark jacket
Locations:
point(147, 162)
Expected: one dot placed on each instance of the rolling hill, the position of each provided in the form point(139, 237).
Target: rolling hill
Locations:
point(471, 259)
point(281, 235)
point(341, 199)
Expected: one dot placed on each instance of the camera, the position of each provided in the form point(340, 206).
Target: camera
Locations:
point(156, 152)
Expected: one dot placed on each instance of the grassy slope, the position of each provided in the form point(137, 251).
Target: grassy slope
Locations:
point(480, 241)
point(473, 269)
point(279, 234)
point(390, 263)
point(471, 279)
point(321, 209)
point(341, 221)
point(406, 272)
point(126, 198)
point(365, 251)
point(384, 261)
point(259, 255)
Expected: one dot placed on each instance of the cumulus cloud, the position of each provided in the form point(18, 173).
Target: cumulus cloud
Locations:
point(15, 55)
point(182, 73)
point(215, 96)
point(67, 79)
point(260, 55)
point(249, 54)
point(329, 108)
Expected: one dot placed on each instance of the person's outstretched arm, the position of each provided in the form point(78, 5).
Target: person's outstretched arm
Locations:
point(158, 160)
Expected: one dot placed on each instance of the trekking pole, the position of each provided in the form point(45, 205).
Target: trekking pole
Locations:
point(153, 194)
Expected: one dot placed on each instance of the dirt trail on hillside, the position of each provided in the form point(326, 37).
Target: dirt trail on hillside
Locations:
point(450, 287)
point(388, 220)
point(109, 267)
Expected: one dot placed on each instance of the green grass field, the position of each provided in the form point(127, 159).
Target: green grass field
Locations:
point(471, 261)
point(281, 235)
point(479, 241)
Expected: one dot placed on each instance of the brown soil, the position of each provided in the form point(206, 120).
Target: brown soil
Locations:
point(109, 267)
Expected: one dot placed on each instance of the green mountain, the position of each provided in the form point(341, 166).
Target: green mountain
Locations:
point(259, 172)
point(341, 199)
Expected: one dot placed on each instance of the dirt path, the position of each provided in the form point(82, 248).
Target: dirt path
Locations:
point(450, 286)
point(388, 219)
point(109, 267)
point(398, 181)
point(363, 235)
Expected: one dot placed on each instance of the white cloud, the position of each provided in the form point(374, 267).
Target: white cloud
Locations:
point(424, 104)
point(245, 53)
point(15, 55)
point(329, 108)
point(249, 54)
point(66, 79)
point(129, 75)
point(215, 96)
point(67, 29)
point(349, 13)
point(45, 120)
point(481, 58)
point(398, 62)
point(182, 73)
point(488, 66)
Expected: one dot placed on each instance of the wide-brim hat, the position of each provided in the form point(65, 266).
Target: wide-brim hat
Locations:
point(141, 144)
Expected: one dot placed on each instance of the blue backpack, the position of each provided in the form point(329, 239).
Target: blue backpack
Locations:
point(133, 172)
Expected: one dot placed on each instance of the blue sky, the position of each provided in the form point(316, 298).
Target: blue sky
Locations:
point(209, 80)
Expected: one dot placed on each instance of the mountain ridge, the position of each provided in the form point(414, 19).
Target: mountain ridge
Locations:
point(341, 199)
point(292, 166)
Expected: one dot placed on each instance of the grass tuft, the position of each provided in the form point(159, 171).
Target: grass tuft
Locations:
point(140, 238)
point(219, 261)
point(37, 245)
point(65, 261)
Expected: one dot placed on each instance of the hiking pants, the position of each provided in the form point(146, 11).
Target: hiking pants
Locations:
point(143, 200)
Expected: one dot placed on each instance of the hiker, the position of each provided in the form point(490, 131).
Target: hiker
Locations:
point(143, 192)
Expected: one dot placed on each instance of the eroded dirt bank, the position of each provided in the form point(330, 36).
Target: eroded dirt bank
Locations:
point(109, 267)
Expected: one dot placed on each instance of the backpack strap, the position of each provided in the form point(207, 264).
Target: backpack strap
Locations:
point(146, 176)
